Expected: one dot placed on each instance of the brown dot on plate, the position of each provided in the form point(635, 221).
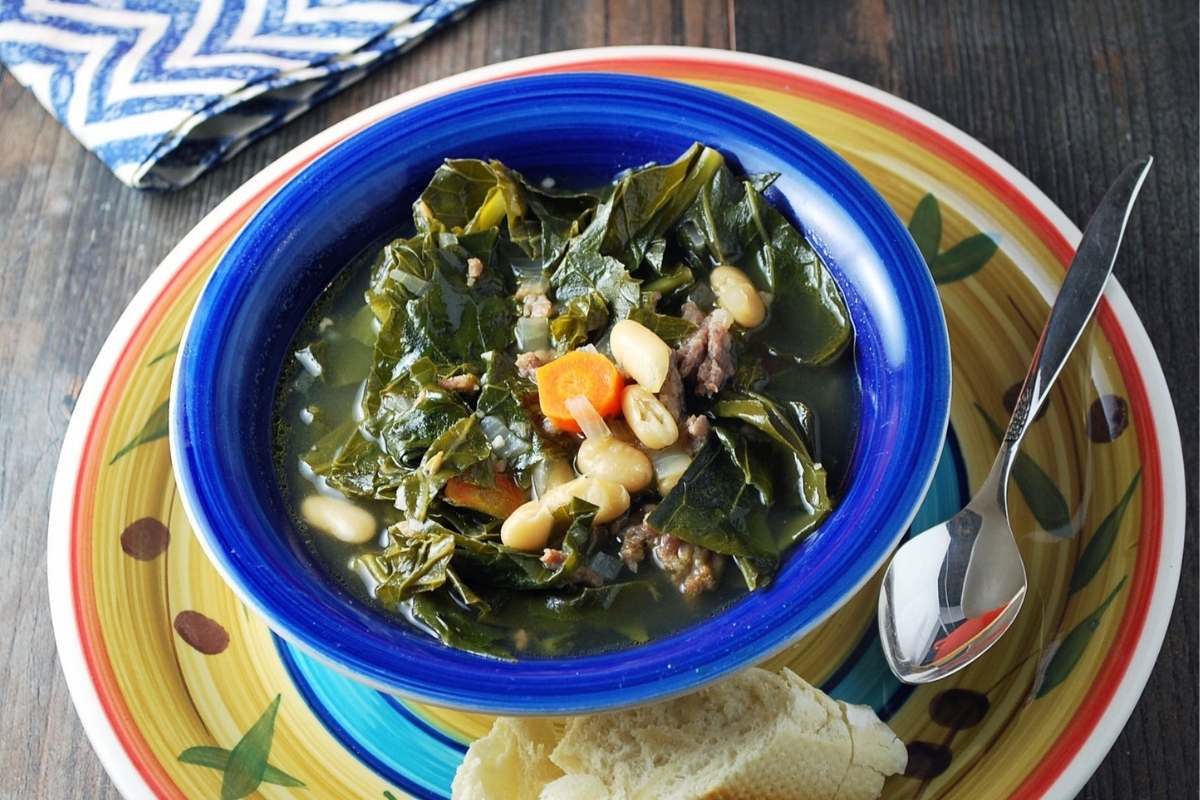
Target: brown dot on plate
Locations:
point(959, 708)
point(1010, 401)
point(927, 760)
point(204, 634)
point(145, 538)
point(1107, 418)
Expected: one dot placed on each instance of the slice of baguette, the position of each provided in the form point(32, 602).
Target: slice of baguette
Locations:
point(511, 761)
point(758, 735)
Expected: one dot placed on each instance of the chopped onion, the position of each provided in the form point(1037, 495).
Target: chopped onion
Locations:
point(410, 282)
point(533, 333)
point(589, 419)
point(551, 472)
point(669, 465)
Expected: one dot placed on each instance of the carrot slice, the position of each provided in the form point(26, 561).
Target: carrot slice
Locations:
point(580, 373)
point(498, 500)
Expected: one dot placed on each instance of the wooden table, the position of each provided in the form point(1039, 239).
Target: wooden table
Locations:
point(1065, 91)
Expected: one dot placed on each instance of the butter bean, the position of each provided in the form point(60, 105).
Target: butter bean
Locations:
point(613, 460)
point(527, 527)
point(610, 498)
point(640, 353)
point(737, 295)
point(339, 518)
point(648, 418)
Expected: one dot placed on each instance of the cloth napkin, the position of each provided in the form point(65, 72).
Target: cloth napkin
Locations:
point(164, 90)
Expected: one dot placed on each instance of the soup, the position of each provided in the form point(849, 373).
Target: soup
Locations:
point(552, 422)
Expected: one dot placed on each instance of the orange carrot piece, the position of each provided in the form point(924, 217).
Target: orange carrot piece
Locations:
point(578, 373)
point(498, 500)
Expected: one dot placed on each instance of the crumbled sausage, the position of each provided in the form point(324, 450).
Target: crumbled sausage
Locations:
point(474, 270)
point(706, 355)
point(467, 383)
point(553, 558)
point(634, 538)
point(527, 364)
point(671, 393)
point(698, 427)
point(694, 569)
point(536, 305)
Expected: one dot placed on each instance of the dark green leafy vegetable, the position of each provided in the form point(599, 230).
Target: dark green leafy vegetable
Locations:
point(783, 423)
point(721, 503)
point(670, 329)
point(428, 368)
point(732, 223)
point(582, 316)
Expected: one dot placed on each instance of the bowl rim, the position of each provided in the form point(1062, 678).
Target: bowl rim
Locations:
point(673, 683)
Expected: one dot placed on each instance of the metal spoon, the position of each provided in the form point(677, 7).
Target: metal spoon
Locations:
point(952, 591)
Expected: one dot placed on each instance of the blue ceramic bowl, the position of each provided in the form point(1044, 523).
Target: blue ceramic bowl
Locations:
point(585, 127)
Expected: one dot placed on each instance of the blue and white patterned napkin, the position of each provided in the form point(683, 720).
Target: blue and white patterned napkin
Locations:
point(164, 90)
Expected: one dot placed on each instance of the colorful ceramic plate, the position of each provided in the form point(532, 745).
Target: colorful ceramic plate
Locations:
point(184, 694)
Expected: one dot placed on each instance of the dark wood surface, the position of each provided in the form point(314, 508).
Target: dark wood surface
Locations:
point(1065, 91)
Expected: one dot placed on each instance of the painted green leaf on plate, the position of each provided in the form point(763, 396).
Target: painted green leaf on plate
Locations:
point(964, 259)
point(960, 261)
point(1100, 545)
point(218, 758)
point(247, 763)
point(1047, 503)
point(154, 428)
point(1072, 647)
point(925, 227)
point(170, 351)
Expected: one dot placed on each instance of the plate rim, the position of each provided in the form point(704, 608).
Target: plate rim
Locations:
point(1106, 726)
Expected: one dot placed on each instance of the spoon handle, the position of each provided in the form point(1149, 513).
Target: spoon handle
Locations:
point(1073, 308)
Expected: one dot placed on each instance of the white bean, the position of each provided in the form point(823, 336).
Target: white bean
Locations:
point(640, 353)
point(648, 418)
point(341, 519)
point(527, 527)
point(737, 295)
point(610, 498)
point(613, 460)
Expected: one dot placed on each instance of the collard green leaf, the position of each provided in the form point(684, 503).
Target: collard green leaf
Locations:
point(804, 485)
point(964, 259)
point(646, 202)
point(218, 758)
point(464, 195)
point(676, 281)
point(155, 427)
point(731, 222)
point(1072, 647)
point(718, 503)
point(407, 429)
point(925, 227)
point(417, 560)
point(448, 324)
point(1100, 545)
point(582, 316)
point(671, 329)
point(813, 324)
point(506, 409)
point(1044, 499)
point(247, 762)
point(584, 272)
point(460, 447)
point(453, 625)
